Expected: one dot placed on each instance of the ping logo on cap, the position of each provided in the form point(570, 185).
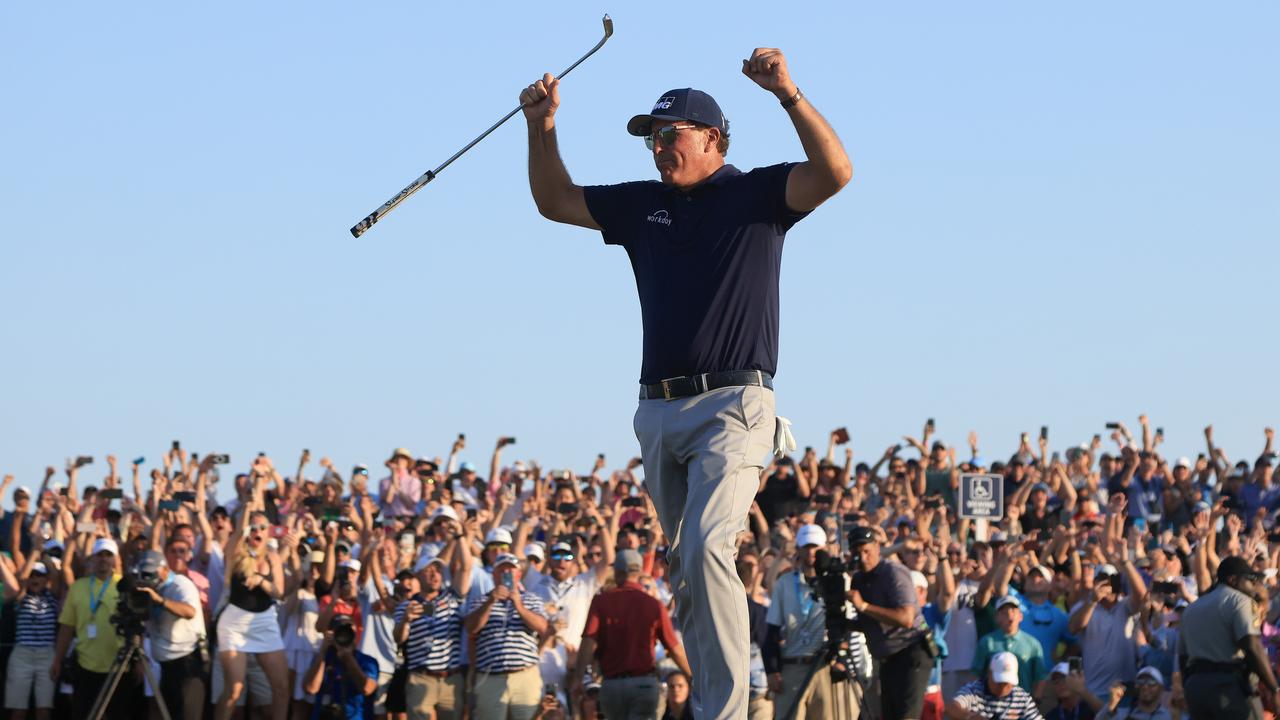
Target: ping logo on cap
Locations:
point(664, 104)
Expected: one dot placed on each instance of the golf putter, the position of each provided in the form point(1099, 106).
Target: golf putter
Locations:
point(430, 175)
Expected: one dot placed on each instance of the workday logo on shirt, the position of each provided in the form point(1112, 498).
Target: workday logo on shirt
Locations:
point(660, 216)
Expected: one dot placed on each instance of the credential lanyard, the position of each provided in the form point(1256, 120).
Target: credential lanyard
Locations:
point(95, 603)
point(806, 603)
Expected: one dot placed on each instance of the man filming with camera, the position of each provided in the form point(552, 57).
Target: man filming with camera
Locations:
point(175, 626)
point(889, 614)
point(342, 678)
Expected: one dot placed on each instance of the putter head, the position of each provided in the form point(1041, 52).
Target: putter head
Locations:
point(608, 26)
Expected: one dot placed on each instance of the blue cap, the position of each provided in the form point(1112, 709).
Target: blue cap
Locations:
point(682, 104)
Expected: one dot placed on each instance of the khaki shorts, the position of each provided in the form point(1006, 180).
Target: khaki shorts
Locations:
point(424, 694)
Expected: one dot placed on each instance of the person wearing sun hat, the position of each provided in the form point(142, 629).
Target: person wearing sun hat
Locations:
point(401, 491)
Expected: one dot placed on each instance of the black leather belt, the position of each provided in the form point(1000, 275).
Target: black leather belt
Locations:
point(690, 385)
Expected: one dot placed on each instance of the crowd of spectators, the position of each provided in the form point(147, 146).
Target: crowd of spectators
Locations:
point(432, 591)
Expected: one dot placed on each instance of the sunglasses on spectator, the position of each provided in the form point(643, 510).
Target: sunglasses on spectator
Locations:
point(561, 556)
point(497, 546)
point(665, 135)
point(595, 554)
point(259, 528)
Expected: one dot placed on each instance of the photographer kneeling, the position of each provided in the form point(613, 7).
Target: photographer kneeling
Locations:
point(889, 614)
point(342, 678)
point(175, 627)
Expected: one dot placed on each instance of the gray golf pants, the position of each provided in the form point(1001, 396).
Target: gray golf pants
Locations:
point(702, 461)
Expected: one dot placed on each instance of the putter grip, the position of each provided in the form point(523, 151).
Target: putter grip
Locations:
point(373, 217)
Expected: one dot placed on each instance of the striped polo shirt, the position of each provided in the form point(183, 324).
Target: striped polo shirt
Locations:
point(1017, 705)
point(435, 638)
point(505, 643)
point(37, 621)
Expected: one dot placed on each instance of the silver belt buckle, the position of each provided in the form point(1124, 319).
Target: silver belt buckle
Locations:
point(666, 387)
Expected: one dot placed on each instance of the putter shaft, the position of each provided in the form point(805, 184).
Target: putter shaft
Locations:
point(430, 175)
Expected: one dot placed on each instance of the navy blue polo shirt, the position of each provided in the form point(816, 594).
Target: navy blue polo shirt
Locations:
point(706, 263)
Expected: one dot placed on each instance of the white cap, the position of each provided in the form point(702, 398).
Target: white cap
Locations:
point(1185, 462)
point(316, 557)
point(350, 564)
point(1004, 668)
point(106, 544)
point(1105, 570)
point(919, 580)
point(498, 535)
point(1152, 673)
point(39, 567)
point(535, 550)
point(1061, 669)
point(445, 511)
point(811, 535)
point(1045, 572)
point(506, 559)
point(1006, 601)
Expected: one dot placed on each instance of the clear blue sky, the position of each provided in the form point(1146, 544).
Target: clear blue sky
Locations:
point(1061, 214)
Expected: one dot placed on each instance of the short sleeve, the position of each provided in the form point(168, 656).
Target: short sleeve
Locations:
point(902, 593)
point(534, 603)
point(613, 206)
point(770, 188)
point(1242, 618)
point(187, 593)
point(68, 614)
point(400, 611)
point(593, 619)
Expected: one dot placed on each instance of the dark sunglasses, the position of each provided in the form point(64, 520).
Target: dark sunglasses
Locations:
point(667, 135)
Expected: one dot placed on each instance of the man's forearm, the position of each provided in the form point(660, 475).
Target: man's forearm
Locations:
point(548, 177)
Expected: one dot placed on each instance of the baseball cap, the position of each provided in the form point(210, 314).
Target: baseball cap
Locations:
point(498, 535)
point(534, 550)
point(1183, 461)
point(681, 104)
point(445, 511)
point(811, 535)
point(1236, 566)
point(466, 467)
point(1106, 570)
point(350, 564)
point(861, 535)
point(148, 563)
point(316, 557)
point(404, 574)
point(1006, 601)
point(919, 580)
point(21, 489)
point(1043, 571)
point(998, 537)
point(506, 559)
point(1004, 668)
point(1150, 672)
point(561, 547)
point(53, 544)
point(628, 561)
point(39, 568)
point(402, 452)
point(1061, 669)
point(105, 544)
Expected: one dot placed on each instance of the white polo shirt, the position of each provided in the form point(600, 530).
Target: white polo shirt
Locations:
point(569, 600)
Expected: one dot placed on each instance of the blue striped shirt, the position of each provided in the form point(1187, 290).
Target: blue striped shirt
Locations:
point(505, 643)
point(37, 621)
point(435, 638)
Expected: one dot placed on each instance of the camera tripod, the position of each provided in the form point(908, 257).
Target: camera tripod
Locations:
point(132, 650)
point(822, 663)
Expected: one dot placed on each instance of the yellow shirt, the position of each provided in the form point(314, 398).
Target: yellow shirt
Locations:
point(96, 648)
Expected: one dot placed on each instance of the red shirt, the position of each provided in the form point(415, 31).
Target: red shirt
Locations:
point(342, 607)
point(626, 623)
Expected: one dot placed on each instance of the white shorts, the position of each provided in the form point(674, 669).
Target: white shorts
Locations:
point(248, 632)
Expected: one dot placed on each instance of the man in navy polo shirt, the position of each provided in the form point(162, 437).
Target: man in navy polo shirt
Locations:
point(705, 243)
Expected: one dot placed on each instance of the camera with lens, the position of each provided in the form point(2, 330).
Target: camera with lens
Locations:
point(134, 606)
point(344, 631)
